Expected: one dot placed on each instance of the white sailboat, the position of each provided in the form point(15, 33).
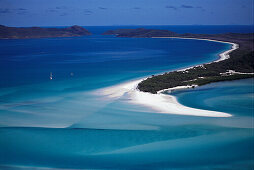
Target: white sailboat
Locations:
point(50, 76)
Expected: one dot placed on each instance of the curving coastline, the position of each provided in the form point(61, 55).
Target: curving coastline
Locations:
point(223, 56)
point(161, 102)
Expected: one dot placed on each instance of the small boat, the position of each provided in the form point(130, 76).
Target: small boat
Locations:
point(51, 76)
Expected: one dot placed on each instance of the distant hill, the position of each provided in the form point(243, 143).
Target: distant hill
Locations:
point(140, 32)
point(244, 39)
point(38, 32)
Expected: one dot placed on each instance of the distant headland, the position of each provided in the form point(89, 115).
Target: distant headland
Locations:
point(233, 64)
point(39, 32)
point(140, 33)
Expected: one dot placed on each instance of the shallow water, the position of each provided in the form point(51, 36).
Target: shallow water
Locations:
point(80, 66)
point(61, 123)
point(235, 97)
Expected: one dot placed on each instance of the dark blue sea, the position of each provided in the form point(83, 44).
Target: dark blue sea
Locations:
point(63, 124)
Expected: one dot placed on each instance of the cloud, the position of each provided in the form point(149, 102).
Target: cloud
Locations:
point(60, 7)
point(183, 6)
point(22, 9)
point(171, 7)
point(186, 6)
point(52, 10)
point(15, 10)
point(63, 14)
point(56, 9)
point(4, 10)
point(103, 8)
point(21, 13)
point(192, 7)
point(200, 7)
point(87, 12)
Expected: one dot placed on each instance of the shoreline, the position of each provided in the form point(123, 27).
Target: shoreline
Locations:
point(222, 56)
point(164, 103)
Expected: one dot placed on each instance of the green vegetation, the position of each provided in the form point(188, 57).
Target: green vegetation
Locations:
point(241, 60)
point(208, 80)
point(173, 79)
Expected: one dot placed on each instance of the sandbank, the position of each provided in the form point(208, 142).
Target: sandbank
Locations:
point(160, 102)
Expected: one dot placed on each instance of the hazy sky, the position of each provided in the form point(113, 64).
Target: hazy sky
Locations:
point(125, 12)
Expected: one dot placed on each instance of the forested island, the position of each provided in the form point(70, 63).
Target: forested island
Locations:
point(39, 32)
point(240, 64)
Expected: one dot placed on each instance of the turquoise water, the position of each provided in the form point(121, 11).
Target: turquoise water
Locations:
point(235, 97)
point(63, 123)
point(29, 98)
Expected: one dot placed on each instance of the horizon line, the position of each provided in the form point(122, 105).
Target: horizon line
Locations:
point(132, 25)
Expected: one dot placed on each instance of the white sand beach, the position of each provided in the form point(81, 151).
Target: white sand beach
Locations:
point(162, 103)
point(222, 56)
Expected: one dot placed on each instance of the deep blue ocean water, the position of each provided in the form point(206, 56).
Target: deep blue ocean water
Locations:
point(60, 123)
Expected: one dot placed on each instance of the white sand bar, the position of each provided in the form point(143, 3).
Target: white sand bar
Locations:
point(162, 103)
